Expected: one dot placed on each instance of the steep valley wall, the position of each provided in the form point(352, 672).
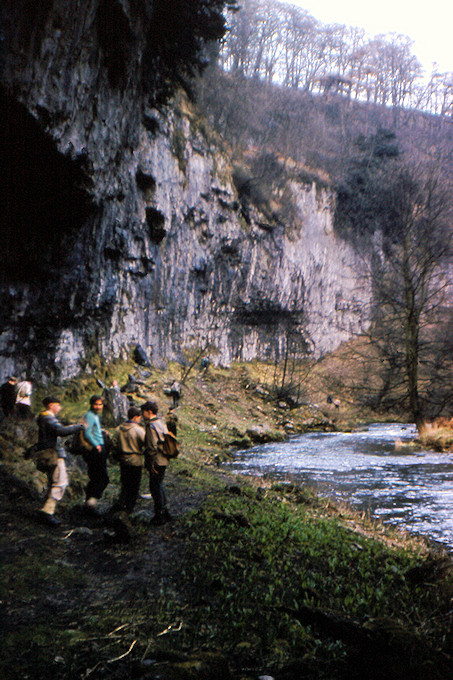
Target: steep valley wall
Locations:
point(121, 223)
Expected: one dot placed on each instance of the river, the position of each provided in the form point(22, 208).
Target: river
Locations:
point(411, 489)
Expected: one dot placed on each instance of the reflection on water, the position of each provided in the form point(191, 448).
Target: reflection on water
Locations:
point(411, 489)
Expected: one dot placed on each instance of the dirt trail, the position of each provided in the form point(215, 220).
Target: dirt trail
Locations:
point(108, 572)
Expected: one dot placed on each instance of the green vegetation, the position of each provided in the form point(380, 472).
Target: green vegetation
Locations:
point(251, 578)
point(266, 568)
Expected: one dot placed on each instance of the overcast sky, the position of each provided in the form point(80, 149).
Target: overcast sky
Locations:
point(428, 24)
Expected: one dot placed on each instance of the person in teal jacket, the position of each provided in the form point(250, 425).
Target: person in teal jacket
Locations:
point(96, 458)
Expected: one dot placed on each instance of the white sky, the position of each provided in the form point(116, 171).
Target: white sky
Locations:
point(428, 24)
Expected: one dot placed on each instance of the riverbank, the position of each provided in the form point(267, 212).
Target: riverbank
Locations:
point(250, 579)
point(437, 436)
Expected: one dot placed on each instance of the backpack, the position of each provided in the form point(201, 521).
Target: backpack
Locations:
point(77, 444)
point(45, 459)
point(31, 451)
point(169, 445)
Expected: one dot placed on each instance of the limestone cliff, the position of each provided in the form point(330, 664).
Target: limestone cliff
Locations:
point(121, 223)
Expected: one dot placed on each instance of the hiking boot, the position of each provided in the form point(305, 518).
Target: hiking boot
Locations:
point(158, 521)
point(122, 526)
point(50, 520)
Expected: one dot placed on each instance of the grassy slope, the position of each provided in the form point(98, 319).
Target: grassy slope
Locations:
point(251, 578)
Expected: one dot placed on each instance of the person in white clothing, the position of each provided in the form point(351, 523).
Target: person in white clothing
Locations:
point(23, 399)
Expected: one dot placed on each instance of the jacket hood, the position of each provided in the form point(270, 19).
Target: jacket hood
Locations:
point(124, 427)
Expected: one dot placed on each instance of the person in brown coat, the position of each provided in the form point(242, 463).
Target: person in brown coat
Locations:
point(129, 442)
point(155, 462)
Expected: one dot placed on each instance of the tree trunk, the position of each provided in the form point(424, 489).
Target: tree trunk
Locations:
point(411, 342)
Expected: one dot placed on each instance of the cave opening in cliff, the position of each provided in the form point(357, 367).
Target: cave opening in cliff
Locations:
point(42, 205)
point(156, 224)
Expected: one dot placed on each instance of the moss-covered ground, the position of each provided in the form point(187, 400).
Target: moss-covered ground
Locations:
point(251, 577)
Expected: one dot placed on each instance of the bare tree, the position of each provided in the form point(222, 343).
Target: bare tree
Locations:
point(404, 211)
point(279, 42)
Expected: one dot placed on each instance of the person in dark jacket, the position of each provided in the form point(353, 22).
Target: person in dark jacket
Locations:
point(50, 431)
point(171, 421)
point(8, 393)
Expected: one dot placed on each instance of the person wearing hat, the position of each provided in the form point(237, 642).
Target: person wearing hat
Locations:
point(50, 431)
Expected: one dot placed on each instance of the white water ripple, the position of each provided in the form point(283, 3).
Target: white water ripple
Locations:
point(399, 486)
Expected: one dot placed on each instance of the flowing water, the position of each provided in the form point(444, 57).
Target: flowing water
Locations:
point(412, 489)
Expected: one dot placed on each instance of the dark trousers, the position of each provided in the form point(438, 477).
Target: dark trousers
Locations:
point(131, 476)
point(157, 490)
point(97, 472)
point(8, 407)
point(24, 412)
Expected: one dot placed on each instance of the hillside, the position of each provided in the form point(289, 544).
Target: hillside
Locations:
point(319, 132)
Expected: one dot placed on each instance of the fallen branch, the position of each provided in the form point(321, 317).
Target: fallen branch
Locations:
point(124, 625)
point(170, 629)
point(117, 658)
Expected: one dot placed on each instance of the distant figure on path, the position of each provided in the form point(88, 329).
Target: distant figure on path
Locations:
point(96, 457)
point(23, 399)
point(204, 363)
point(171, 421)
point(50, 456)
point(155, 461)
point(175, 392)
point(8, 393)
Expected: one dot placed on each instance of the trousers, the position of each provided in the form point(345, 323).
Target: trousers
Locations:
point(157, 490)
point(98, 477)
point(57, 481)
point(131, 476)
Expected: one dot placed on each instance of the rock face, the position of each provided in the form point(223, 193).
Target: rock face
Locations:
point(122, 224)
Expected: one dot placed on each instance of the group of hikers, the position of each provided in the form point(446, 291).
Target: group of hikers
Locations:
point(135, 446)
point(140, 441)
